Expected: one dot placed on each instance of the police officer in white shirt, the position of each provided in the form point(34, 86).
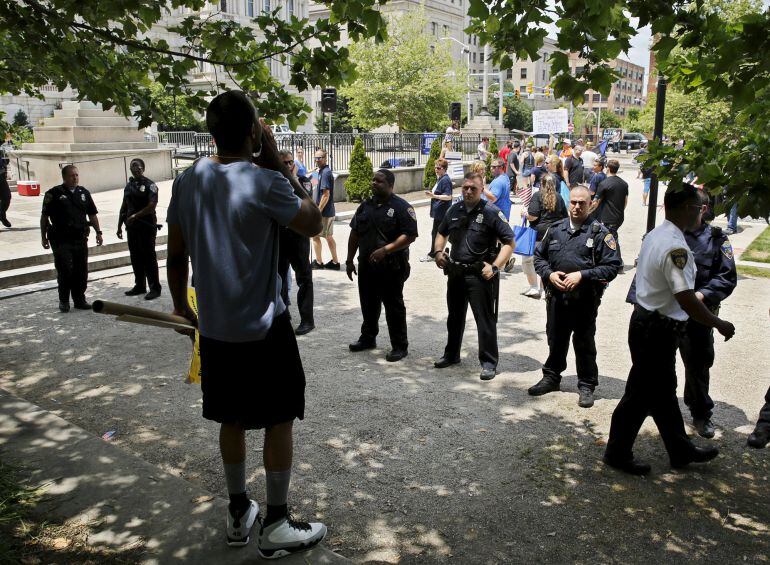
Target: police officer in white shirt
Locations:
point(665, 298)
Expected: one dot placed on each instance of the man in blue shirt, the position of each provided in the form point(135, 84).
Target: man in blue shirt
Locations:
point(323, 189)
point(499, 191)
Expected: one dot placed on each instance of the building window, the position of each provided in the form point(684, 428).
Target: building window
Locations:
point(524, 73)
point(265, 5)
point(579, 70)
point(250, 8)
point(290, 8)
point(446, 30)
point(474, 56)
point(434, 28)
point(544, 79)
point(223, 5)
point(597, 97)
point(509, 74)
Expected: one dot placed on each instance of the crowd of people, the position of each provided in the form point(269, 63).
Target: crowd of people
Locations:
point(247, 215)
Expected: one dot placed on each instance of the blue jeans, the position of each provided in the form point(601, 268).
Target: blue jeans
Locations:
point(732, 218)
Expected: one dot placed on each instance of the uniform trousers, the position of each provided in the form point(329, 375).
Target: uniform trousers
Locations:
point(380, 286)
point(294, 251)
point(650, 389)
point(144, 261)
point(471, 288)
point(697, 350)
point(763, 423)
point(575, 317)
point(5, 195)
point(71, 261)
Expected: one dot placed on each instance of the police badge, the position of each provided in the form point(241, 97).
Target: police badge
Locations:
point(390, 212)
point(679, 257)
point(480, 219)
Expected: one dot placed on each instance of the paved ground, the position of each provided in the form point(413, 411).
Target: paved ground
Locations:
point(410, 464)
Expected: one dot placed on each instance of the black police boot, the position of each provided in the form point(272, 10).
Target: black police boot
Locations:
point(83, 305)
point(631, 466)
point(586, 399)
point(759, 438)
point(362, 345)
point(152, 295)
point(445, 362)
point(396, 355)
point(544, 386)
point(488, 373)
point(695, 455)
point(304, 327)
point(136, 291)
point(64, 306)
point(4, 220)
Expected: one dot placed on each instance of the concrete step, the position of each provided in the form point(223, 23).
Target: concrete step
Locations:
point(47, 257)
point(88, 134)
point(98, 146)
point(47, 272)
point(84, 113)
point(115, 121)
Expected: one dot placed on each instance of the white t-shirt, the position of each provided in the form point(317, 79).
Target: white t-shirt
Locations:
point(229, 216)
point(666, 267)
point(588, 159)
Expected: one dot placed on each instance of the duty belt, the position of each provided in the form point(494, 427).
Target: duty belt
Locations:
point(666, 322)
point(455, 268)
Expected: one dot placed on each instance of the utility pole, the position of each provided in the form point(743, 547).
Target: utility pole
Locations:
point(660, 106)
point(500, 102)
point(485, 79)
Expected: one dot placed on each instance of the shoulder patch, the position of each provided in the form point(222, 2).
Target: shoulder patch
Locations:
point(411, 213)
point(153, 187)
point(502, 216)
point(609, 240)
point(679, 257)
point(47, 198)
point(727, 249)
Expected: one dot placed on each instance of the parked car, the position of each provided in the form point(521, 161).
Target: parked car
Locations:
point(281, 130)
point(632, 141)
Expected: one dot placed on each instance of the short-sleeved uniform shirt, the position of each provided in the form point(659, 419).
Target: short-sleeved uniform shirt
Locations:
point(500, 187)
point(68, 211)
point(438, 208)
point(666, 267)
point(229, 217)
point(137, 195)
point(379, 223)
point(323, 179)
point(474, 233)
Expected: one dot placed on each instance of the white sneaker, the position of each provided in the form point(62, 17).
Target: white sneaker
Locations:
point(287, 536)
point(533, 293)
point(426, 259)
point(239, 527)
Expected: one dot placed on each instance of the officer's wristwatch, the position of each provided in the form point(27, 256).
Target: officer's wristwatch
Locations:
point(98, 232)
point(495, 270)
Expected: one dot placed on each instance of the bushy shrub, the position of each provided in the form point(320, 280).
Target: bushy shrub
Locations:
point(359, 183)
point(429, 176)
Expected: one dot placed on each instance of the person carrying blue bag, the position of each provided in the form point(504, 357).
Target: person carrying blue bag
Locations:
point(545, 208)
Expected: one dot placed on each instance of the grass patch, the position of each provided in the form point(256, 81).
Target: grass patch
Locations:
point(756, 272)
point(759, 250)
point(26, 539)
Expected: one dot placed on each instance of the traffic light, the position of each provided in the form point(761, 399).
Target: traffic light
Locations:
point(530, 87)
point(455, 111)
point(329, 100)
point(547, 91)
point(517, 94)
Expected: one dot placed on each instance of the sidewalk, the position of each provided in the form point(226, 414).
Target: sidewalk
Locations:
point(125, 501)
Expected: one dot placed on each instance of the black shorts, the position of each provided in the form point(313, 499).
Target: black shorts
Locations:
point(255, 384)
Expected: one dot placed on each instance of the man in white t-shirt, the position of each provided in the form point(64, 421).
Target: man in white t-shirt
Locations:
point(664, 297)
point(224, 215)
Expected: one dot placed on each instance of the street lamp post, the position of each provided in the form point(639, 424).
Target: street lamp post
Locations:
point(467, 51)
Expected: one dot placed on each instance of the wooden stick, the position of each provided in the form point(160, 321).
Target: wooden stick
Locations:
point(117, 309)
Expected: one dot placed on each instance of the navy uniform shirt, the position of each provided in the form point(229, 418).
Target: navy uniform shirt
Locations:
point(379, 224)
point(137, 196)
point(474, 234)
point(716, 276)
point(590, 249)
point(68, 211)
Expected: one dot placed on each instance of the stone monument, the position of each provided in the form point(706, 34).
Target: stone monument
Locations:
point(485, 124)
point(100, 142)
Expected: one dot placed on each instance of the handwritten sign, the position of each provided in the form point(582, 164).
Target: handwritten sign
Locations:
point(549, 121)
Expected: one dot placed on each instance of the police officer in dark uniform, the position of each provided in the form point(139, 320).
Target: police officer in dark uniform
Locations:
point(294, 251)
point(68, 213)
point(381, 231)
point(140, 197)
point(474, 227)
point(715, 280)
point(576, 259)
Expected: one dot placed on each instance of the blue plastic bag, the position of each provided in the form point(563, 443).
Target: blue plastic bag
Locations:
point(525, 238)
point(564, 191)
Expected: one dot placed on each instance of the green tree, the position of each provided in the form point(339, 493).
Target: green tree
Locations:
point(359, 183)
point(518, 113)
point(610, 120)
point(408, 80)
point(103, 50)
point(20, 119)
point(174, 112)
point(429, 175)
point(341, 120)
